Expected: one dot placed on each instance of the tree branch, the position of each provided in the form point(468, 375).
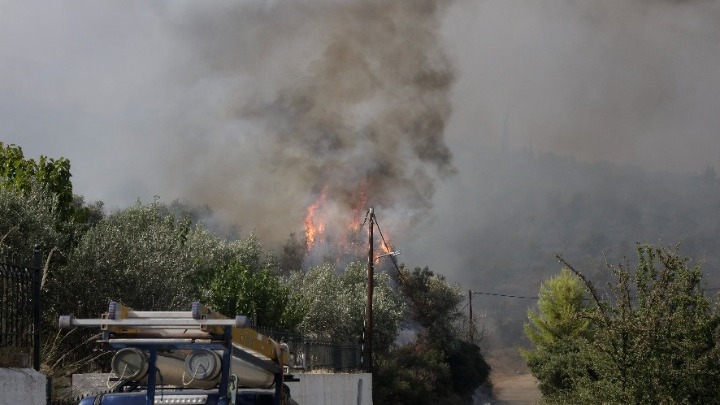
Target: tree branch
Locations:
point(587, 283)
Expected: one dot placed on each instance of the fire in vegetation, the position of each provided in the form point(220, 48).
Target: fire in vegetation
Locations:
point(338, 234)
point(314, 228)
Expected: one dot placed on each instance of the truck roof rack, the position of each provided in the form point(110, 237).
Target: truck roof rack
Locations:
point(195, 348)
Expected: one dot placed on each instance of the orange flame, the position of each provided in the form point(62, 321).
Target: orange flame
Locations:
point(385, 248)
point(314, 230)
point(358, 209)
point(350, 243)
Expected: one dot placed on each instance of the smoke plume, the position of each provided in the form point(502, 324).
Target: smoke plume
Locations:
point(255, 107)
point(350, 97)
point(259, 107)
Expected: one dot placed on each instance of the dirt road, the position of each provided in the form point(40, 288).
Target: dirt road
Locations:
point(511, 381)
point(514, 389)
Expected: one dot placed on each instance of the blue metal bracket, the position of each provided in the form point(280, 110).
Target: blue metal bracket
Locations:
point(227, 349)
point(152, 371)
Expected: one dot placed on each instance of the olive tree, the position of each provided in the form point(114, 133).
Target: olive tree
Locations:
point(142, 256)
point(27, 219)
point(335, 304)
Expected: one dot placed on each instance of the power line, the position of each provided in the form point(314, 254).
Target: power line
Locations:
point(495, 295)
point(535, 297)
point(387, 248)
point(504, 295)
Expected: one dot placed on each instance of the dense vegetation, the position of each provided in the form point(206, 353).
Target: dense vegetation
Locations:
point(652, 338)
point(158, 256)
point(438, 367)
point(531, 207)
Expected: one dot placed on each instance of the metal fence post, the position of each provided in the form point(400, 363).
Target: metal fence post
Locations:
point(37, 275)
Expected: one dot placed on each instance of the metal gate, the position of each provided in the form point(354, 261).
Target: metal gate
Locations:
point(20, 314)
point(314, 353)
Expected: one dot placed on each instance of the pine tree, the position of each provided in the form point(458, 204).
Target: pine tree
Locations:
point(555, 331)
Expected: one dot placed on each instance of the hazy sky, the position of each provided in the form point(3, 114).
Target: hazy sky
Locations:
point(254, 107)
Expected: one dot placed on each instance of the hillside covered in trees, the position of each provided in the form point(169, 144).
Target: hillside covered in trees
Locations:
point(530, 206)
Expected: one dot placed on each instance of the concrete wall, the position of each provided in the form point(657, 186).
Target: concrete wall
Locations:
point(332, 389)
point(22, 386)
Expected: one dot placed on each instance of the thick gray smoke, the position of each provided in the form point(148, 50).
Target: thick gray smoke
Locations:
point(255, 106)
point(626, 81)
point(349, 99)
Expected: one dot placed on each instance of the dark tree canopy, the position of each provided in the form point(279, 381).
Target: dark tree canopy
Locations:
point(432, 303)
point(439, 367)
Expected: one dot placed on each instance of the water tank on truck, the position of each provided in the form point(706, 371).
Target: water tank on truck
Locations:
point(187, 357)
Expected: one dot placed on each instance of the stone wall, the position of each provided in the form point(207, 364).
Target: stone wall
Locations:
point(22, 386)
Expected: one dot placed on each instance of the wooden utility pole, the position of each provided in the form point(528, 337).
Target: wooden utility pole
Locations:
point(471, 327)
point(370, 287)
